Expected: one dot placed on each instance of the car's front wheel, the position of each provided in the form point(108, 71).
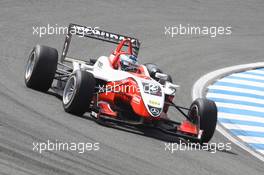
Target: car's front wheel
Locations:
point(204, 114)
point(78, 92)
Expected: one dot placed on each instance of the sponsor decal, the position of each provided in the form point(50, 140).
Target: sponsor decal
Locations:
point(154, 102)
point(154, 111)
point(100, 64)
point(136, 99)
point(101, 34)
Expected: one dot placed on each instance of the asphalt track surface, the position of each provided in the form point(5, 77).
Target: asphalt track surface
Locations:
point(28, 116)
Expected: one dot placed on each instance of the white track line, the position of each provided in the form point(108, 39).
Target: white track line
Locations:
point(241, 107)
point(242, 82)
point(234, 89)
point(244, 127)
point(254, 77)
point(248, 139)
point(261, 72)
point(235, 97)
point(257, 154)
point(223, 115)
point(261, 151)
point(199, 88)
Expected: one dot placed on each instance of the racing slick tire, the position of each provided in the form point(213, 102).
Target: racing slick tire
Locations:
point(204, 113)
point(78, 92)
point(41, 67)
point(153, 69)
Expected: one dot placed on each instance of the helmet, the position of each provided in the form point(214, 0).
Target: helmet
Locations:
point(128, 62)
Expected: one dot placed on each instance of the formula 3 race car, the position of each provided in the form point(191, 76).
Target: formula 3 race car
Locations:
point(116, 91)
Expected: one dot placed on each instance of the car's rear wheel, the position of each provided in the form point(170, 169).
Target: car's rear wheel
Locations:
point(203, 112)
point(41, 67)
point(78, 92)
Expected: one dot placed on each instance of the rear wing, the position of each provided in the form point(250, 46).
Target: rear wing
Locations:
point(95, 33)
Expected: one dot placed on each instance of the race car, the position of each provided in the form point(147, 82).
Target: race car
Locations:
point(116, 89)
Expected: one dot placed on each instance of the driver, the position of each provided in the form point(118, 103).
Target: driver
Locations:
point(128, 62)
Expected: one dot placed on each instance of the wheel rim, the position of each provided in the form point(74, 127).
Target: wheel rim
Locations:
point(194, 114)
point(69, 90)
point(30, 65)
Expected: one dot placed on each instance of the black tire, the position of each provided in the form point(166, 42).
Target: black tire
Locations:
point(153, 69)
point(204, 113)
point(41, 67)
point(83, 90)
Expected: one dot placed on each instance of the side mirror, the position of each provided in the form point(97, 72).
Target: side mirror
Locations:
point(170, 89)
point(161, 75)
